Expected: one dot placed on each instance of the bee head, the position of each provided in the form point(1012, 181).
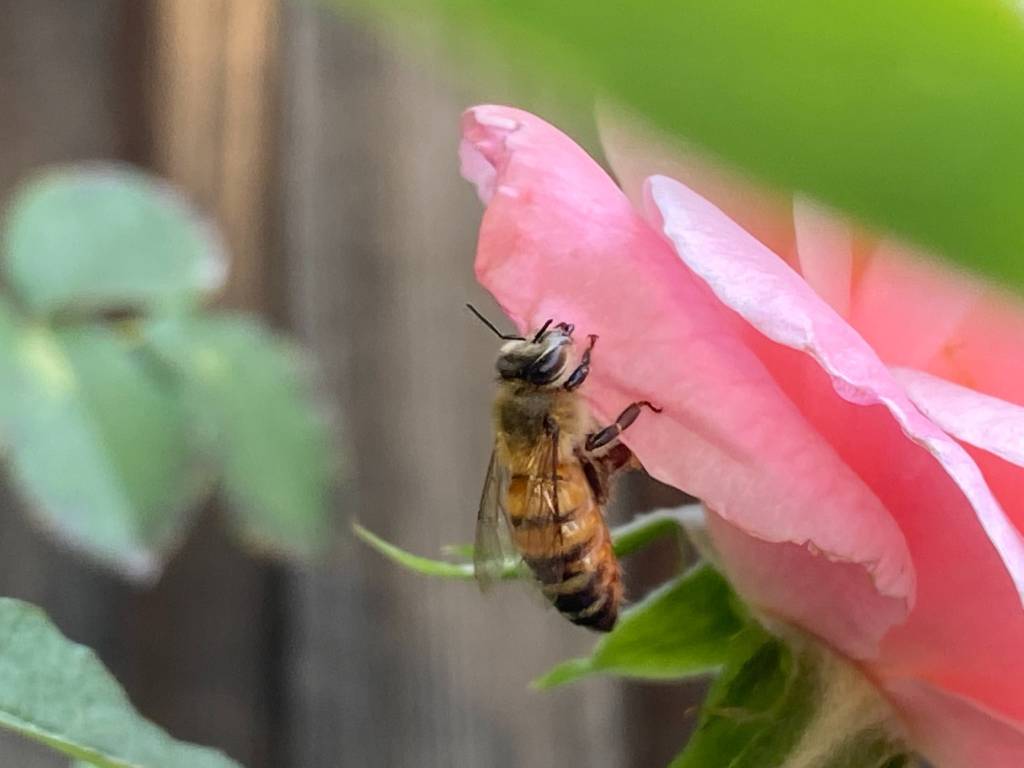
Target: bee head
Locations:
point(541, 360)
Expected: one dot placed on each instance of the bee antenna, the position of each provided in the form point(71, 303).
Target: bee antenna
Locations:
point(540, 333)
point(489, 324)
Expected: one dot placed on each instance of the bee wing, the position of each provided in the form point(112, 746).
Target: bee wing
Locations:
point(540, 531)
point(492, 547)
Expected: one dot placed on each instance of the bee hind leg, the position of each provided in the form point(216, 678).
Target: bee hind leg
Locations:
point(605, 436)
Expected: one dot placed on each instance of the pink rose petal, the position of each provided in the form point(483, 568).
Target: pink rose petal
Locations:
point(560, 240)
point(993, 430)
point(986, 422)
point(974, 737)
point(838, 599)
point(907, 306)
point(824, 245)
point(927, 481)
point(986, 352)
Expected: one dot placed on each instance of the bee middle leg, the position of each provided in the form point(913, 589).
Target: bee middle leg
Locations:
point(599, 470)
point(605, 436)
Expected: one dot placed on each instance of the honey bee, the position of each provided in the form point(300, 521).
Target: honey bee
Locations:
point(549, 477)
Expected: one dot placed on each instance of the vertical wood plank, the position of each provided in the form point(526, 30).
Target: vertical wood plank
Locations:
point(249, 129)
point(186, 93)
point(213, 100)
point(387, 668)
point(207, 635)
point(60, 102)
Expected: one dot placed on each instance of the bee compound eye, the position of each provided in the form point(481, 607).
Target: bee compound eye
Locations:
point(547, 366)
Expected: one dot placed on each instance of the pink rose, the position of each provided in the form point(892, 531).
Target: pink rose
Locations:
point(823, 395)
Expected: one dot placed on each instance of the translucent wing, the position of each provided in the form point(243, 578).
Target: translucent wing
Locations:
point(492, 547)
point(538, 521)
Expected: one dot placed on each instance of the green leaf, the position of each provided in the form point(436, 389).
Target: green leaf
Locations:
point(627, 539)
point(248, 394)
point(645, 528)
point(10, 327)
point(95, 441)
point(58, 693)
point(684, 628)
point(103, 236)
point(906, 114)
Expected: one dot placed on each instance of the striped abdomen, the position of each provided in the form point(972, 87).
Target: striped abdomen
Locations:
point(570, 555)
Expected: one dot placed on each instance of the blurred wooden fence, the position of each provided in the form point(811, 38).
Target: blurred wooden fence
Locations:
point(328, 155)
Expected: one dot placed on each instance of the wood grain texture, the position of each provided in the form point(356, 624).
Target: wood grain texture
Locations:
point(213, 103)
point(206, 637)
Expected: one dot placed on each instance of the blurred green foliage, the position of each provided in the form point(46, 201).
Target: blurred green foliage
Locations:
point(95, 440)
point(684, 628)
point(123, 402)
point(250, 405)
point(102, 237)
point(906, 114)
point(59, 694)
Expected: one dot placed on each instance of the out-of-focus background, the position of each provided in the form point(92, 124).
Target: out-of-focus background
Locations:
point(325, 148)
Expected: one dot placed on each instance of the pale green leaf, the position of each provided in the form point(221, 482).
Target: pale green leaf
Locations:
point(422, 565)
point(684, 628)
point(58, 693)
point(248, 393)
point(906, 114)
point(104, 236)
point(95, 441)
point(645, 528)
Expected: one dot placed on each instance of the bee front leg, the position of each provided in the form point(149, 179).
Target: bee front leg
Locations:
point(579, 375)
point(604, 436)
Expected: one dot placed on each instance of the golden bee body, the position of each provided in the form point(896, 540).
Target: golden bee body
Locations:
point(549, 479)
point(568, 550)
